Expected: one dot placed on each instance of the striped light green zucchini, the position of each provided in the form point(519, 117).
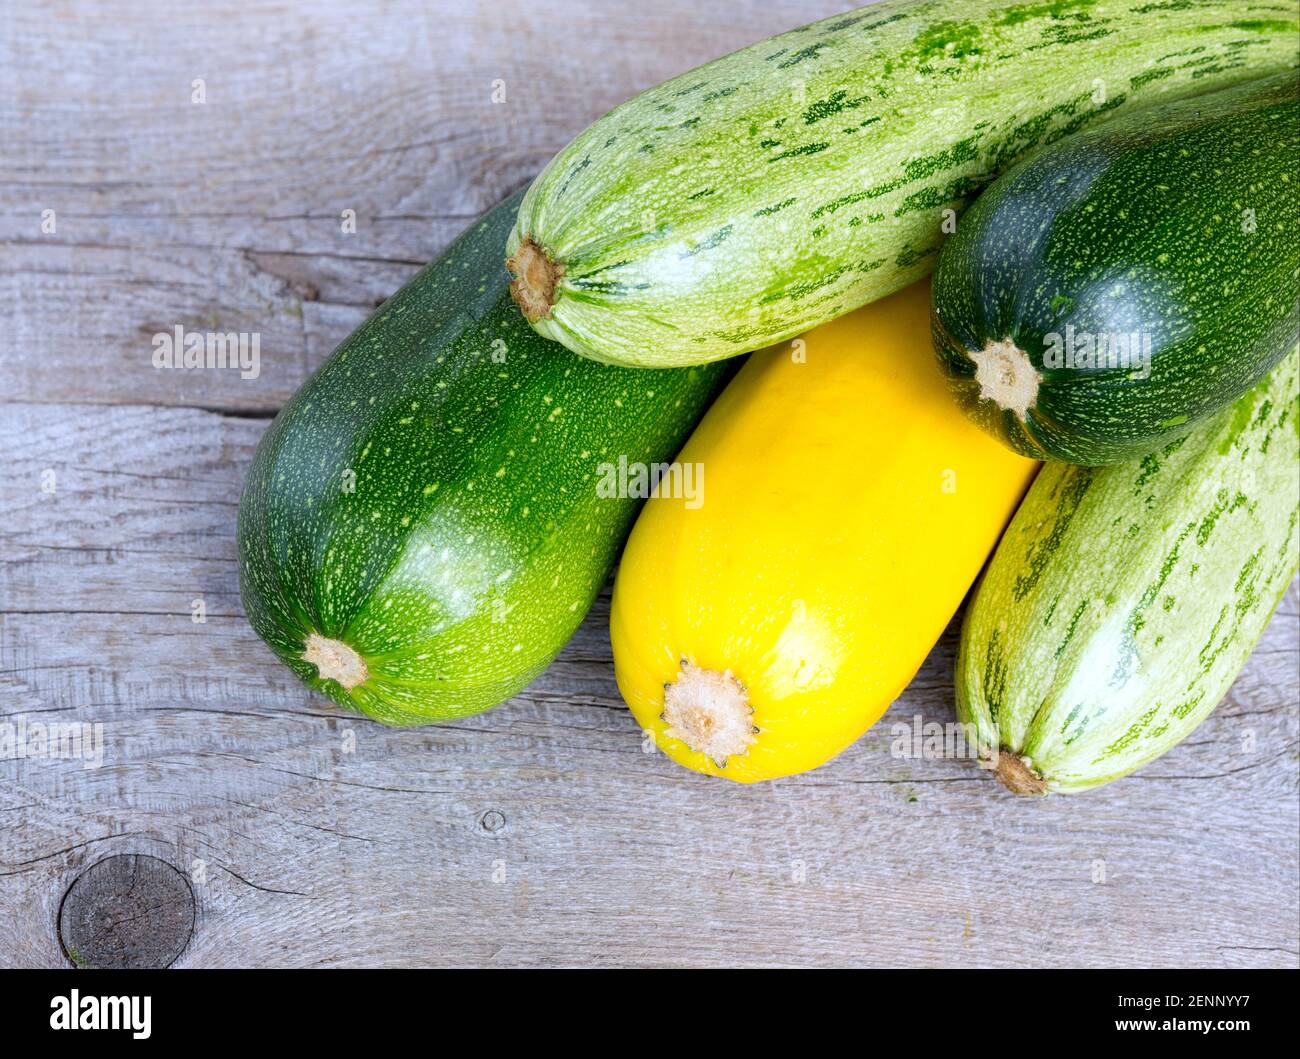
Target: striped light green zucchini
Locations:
point(766, 192)
point(1124, 600)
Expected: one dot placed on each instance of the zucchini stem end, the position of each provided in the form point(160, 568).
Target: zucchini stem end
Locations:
point(1006, 376)
point(709, 712)
point(335, 660)
point(1017, 774)
point(535, 279)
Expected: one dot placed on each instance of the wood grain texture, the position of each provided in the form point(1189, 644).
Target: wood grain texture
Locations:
point(539, 833)
point(127, 911)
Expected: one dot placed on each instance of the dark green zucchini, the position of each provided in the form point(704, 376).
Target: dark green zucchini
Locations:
point(422, 530)
point(1102, 297)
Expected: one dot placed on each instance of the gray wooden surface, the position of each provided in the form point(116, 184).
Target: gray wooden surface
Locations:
point(538, 833)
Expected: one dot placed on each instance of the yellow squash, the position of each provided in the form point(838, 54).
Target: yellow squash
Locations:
point(789, 578)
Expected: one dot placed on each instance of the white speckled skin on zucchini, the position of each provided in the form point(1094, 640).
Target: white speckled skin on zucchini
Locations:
point(1173, 232)
point(422, 520)
point(748, 200)
point(1124, 600)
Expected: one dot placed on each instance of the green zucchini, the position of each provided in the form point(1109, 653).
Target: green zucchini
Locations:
point(1124, 600)
point(422, 528)
point(1105, 295)
point(764, 193)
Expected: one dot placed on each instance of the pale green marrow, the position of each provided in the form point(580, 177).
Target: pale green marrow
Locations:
point(1123, 601)
point(766, 192)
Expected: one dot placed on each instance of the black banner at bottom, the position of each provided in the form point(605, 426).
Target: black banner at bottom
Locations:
point(340, 1007)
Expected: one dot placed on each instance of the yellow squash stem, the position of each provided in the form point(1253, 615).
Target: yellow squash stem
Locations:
point(761, 624)
point(709, 712)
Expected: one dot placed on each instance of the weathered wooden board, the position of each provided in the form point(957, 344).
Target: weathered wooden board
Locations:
point(539, 833)
point(226, 215)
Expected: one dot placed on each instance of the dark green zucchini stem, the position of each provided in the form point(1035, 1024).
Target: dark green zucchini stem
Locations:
point(1006, 376)
point(335, 660)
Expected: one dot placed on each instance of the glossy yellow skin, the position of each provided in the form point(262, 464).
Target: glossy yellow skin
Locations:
point(848, 505)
